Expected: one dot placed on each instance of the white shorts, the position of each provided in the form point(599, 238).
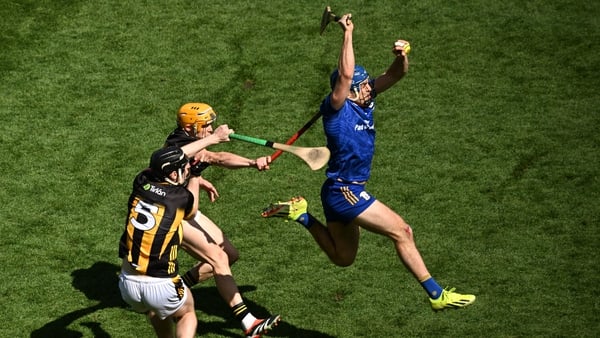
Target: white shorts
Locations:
point(164, 296)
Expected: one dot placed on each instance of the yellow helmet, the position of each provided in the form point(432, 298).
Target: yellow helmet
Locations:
point(198, 114)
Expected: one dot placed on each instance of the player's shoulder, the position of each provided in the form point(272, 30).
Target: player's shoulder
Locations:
point(147, 187)
point(178, 138)
point(326, 107)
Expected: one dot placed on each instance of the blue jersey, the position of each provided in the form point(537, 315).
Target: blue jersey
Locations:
point(350, 134)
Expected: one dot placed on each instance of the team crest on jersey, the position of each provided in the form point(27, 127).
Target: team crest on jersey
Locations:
point(154, 189)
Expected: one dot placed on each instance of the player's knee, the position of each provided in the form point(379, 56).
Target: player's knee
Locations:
point(220, 261)
point(402, 232)
point(343, 260)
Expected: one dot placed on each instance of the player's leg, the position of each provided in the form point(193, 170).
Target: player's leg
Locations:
point(379, 218)
point(186, 325)
point(341, 202)
point(185, 317)
point(197, 244)
point(133, 290)
point(217, 235)
point(339, 241)
point(162, 327)
point(339, 238)
point(170, 301)
point(202, 270)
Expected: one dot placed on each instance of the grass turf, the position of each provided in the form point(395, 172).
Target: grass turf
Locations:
point(488, 148)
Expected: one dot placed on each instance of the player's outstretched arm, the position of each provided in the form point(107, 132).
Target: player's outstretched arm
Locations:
point(233, 161)
point(397, 69)
point(221, 134)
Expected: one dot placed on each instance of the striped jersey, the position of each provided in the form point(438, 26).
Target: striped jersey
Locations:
point(180, 138)
point(153, 230)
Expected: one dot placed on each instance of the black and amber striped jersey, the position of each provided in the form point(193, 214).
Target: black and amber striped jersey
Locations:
point(180, 138)
point(153, 230)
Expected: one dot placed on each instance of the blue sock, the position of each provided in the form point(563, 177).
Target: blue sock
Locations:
point(307, 220)
point(434, 290)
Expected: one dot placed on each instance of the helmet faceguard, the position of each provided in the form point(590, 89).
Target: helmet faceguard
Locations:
point(198, 115)
point(166, 160)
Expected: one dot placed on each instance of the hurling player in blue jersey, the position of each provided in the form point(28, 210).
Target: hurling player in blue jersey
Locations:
point(350, 129)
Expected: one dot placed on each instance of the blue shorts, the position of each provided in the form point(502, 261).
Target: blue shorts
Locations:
point(343, 201)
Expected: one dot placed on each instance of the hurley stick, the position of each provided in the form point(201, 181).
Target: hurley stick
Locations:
point(294, 137)
point(315, 157)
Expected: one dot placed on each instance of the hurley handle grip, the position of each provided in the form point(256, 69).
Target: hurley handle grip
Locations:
point(250, 139)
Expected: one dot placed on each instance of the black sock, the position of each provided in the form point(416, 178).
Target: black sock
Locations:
point(189, 280)
point(240, 311)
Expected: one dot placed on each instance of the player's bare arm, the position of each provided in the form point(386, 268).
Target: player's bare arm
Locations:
point(345, 64)
point(397, 69)
point(221, 134)
point(233, 161)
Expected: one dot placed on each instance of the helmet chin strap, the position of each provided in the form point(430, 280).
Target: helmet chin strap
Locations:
point(356, 98)
point(356, 95)
point(179, 176)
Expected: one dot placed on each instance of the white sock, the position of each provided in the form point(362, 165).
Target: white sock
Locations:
point(248, 320)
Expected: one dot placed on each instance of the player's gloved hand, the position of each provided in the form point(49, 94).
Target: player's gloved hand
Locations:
point(196, 167)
